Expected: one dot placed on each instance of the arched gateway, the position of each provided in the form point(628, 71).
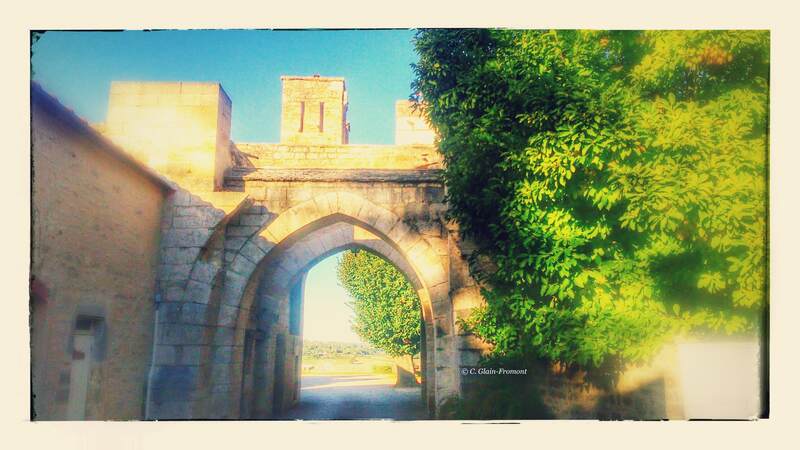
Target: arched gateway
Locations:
point(246, 222)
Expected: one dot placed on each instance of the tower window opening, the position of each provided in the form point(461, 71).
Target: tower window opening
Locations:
point(321, 116)
point(302, 115)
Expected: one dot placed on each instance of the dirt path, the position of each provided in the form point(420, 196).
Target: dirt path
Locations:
point(355, 397)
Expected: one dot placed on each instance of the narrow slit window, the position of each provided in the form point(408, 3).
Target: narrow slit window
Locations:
point(302, 114)
point(321, 117)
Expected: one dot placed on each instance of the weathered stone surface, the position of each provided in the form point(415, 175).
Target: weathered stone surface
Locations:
point(197, 292)
point(181, 334)
point(180, 255)
point(469, 358)
point(256, 220)
point(193, 222)
point(252, 251)
point(240, 230)
point(204, 272)
point(191, 355)
point(192, 211)
point(338, 175)
point(194, 313)
point(175, 271)
point(173, 294)
point(224, 336)
point(186, 237)
point(234, 243)
point(223, 354)
point(164, 354)
point(171, 385)
point(262, 244)
point(234, 287)
point(181, 197)
point(242, 266)
point(228, 315)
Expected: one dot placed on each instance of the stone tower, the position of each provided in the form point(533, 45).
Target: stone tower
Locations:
point(180, 129)
point(314, 110)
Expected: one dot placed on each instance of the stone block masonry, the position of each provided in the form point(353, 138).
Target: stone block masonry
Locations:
point(180, 129)
point(314, 110)
point(352, 156)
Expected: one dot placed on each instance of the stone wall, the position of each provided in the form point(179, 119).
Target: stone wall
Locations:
point(95, 233)
point(647, 391)
point(191, 316)
point(285, 156)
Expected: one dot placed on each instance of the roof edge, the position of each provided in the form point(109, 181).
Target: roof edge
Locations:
point(79, 125)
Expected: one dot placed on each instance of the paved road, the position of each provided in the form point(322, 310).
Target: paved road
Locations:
point(355, 397)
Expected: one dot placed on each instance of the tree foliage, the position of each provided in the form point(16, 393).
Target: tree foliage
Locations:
point(615, 180)
point(387, 311)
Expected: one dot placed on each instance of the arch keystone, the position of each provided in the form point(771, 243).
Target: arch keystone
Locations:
point(350, 204)
point(380, 218)
point(327, 203)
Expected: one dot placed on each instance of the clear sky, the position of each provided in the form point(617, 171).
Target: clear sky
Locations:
point(326, 316)
point(78, 67)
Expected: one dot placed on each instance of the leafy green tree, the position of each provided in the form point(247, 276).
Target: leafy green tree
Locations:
point(387, 311)
point(614, 181)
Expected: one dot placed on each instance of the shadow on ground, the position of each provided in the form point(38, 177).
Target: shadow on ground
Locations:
point(355, 397)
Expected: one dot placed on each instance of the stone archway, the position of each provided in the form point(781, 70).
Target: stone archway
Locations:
point(220, 322)
point(275, 294)
point(304, 232)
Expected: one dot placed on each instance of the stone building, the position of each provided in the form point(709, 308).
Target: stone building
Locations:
point(95, 237)
point(169, 261)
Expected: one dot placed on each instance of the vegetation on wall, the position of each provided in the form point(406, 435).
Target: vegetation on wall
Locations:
point(615, 183)
point(387, 311)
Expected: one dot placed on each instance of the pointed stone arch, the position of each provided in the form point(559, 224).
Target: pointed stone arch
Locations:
point(307, 219)
point(331, 207)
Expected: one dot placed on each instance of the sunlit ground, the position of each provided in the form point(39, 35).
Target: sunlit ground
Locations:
point(314, 382)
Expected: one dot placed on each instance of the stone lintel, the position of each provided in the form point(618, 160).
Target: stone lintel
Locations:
point(337, 175)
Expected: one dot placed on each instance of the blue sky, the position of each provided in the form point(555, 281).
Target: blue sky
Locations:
point(78, 67)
